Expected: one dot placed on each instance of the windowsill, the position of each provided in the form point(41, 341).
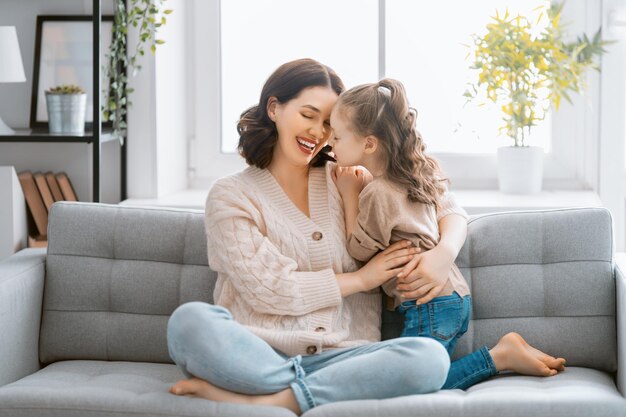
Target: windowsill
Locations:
point(474, 201)
point(185, 199)
point(488, 201)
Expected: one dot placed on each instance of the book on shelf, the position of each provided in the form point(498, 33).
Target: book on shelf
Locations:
point(37, 241)
point(35, 204)
point(44, 190)
point(54, 186)
point(66, 187)
point(41, 191)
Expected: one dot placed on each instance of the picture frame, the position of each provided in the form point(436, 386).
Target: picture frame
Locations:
point(64, 55)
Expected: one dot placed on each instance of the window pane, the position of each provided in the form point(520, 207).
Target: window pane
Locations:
point(258, 36)
point(425, 50)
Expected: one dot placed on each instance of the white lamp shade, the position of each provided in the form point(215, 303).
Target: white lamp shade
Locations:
point(11, 68)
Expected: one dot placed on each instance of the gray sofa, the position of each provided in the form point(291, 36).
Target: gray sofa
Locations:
point(82, 326)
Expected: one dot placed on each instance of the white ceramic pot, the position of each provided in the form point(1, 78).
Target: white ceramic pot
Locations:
point(520, 169)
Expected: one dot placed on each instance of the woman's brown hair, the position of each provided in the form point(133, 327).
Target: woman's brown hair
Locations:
point(382, 110)
point(257, 132)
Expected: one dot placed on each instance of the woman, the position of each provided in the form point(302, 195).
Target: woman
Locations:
point(297, 323)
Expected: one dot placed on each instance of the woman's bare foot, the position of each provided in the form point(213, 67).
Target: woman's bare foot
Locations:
point(200, 388)
point(513, 353)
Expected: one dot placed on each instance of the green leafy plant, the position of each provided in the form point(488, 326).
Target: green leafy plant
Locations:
point(525, 73)
point(147, 16)
point(65, 89)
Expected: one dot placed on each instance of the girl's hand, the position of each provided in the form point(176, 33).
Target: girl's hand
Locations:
point(366, 176)
point(351, 180)
point(386, 264)
point(425, 276)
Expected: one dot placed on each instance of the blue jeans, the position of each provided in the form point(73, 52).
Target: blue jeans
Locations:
point(205, 341)
point(446, 319)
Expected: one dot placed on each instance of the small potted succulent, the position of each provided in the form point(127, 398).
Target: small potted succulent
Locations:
point(66, 109)
point(524, 73)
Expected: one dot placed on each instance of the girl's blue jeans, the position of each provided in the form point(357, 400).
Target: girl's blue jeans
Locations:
point(207, 343)
point(446, 319)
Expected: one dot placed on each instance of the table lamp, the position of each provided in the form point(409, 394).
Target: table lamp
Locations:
point(11, 68)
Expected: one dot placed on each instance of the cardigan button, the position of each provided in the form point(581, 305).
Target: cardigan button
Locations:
point(317, 235)
point(311, 350)
point(320, 329)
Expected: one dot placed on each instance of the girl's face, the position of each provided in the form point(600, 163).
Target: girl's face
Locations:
point(348, 147)
point(303, 124)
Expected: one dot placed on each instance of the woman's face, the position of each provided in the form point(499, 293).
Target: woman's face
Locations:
point(348, 147)
point(303, 124)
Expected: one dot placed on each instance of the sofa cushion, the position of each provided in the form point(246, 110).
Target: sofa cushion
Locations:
point(114, 275)
point(577, 392)
point(112, 389)
point(545, 274)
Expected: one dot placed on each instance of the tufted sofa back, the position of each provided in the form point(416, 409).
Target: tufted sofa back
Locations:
point(547, 275)
point(113, 277)
point(115, 274)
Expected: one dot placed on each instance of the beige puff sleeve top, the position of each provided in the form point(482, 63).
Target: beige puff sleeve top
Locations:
point(386, 216)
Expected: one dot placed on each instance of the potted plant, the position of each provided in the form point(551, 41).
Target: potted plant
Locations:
point(66, 106)
point(525, 72)
point(147, 17)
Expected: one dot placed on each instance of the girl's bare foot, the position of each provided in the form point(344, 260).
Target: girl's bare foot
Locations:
point(551, 361)
point(200, 388)
point(513, 353)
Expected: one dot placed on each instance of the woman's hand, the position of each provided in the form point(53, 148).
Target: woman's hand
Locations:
point(381, 268)
point(425, 276)
point(351, 180)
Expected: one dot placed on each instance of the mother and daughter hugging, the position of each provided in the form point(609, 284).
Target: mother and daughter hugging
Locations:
point(303, 241)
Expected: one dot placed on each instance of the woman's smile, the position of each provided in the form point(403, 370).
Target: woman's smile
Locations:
point(306, 145)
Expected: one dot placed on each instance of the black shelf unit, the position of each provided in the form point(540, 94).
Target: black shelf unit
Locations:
point(43, 136)
point(96, 136)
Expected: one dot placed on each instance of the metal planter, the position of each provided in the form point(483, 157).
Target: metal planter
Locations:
point(66, 112)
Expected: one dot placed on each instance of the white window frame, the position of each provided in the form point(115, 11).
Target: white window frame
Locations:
point(612, 166)
point(572, 164)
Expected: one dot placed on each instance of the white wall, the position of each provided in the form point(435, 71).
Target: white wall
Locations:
point(157, 119)
point(171, 101)
point(12, 213)
point(612, 173)
point(75, 159)
point(142, 168)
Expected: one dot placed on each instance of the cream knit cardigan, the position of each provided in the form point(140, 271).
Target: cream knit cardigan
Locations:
point(276, 267)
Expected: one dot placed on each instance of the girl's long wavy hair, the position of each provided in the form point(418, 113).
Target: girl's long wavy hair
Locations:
point(257, 132)
point(382, 110)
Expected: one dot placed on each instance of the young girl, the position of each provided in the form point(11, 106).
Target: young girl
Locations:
point(374, 127)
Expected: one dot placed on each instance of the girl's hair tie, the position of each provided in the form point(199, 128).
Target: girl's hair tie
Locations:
point(384, 90)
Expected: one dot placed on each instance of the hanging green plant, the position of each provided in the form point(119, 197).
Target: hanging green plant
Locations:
point(147, 16)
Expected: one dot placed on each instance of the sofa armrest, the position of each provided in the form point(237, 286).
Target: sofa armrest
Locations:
point(21, 292)
point(620, 294)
